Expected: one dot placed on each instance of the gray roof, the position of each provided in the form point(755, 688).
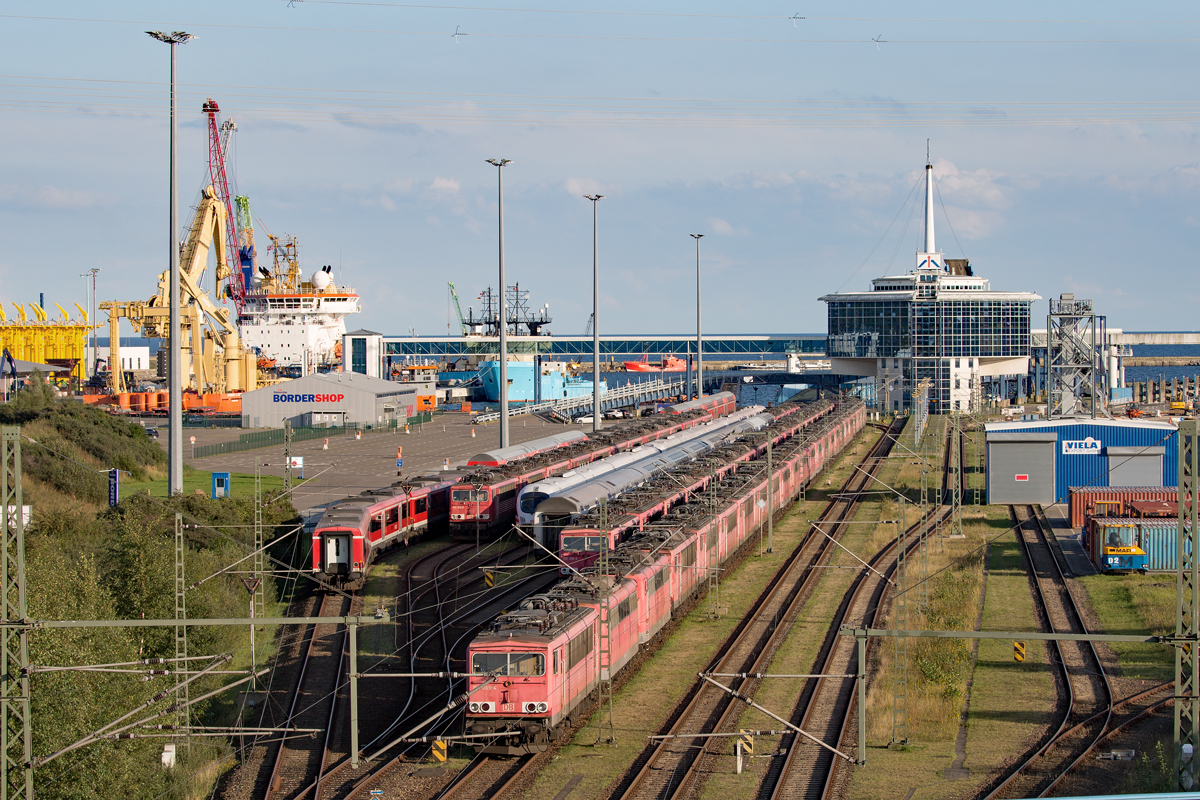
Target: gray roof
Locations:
point(329, 381)
point(363, 332)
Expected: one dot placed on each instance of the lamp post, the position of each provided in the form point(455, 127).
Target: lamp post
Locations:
point(92, 321)
point(174, 361)
point(595, 198)
point(699, 337)
point(87, 304)
point(500, 164)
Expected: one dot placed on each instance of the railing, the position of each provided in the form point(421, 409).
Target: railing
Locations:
point(613, 398)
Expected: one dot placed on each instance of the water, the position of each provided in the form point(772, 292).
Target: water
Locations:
point(1147, 374)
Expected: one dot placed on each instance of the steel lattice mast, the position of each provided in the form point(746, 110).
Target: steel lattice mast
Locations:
point(216, 171)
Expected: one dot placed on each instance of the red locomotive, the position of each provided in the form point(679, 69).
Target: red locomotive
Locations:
point(351, 532)
point(484, 502)
point(535, 667)
point(580, 543)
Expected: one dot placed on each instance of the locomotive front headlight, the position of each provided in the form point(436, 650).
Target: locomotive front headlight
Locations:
point(542, 707)
point(475, 707)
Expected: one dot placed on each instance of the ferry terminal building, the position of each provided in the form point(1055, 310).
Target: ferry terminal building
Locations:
point(940, 322)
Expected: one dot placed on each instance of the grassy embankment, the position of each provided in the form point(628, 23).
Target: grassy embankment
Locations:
point(88, 561)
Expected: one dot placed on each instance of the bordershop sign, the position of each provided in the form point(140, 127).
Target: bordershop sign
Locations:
point(278, 397)
point(1082, 447)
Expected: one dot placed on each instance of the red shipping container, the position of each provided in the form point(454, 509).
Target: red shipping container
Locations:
point(1113, 501)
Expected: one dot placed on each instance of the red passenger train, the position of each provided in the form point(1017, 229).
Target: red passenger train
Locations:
point(536, 667)
point(351, 532)
point(580, 543)
point(484, 501)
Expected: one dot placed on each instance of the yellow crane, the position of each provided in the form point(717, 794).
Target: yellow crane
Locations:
point(210, 347)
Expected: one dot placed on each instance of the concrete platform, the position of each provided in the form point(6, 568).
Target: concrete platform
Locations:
point(350, 466)
point(1069, 540)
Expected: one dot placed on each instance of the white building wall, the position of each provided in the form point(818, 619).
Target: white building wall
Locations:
point(131, 357)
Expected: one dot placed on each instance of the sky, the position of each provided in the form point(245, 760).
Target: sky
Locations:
point(1063, 136)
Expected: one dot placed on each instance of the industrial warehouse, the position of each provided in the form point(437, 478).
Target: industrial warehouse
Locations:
point(336, 398)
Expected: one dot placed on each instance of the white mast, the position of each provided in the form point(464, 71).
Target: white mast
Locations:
point(930, 247)
point(929, 257)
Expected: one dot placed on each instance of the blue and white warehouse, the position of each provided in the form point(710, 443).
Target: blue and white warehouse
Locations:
point(1038, 461)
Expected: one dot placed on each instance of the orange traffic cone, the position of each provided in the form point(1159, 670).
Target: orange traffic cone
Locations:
point(472, 433)
point(325, 446)
point(445, 463)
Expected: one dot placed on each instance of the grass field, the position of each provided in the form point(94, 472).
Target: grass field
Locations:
point(1133, 604)
point(194, 479)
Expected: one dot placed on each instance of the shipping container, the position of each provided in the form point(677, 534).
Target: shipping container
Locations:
point(1113, 501)
point(1145, 509)
point(1159, 539)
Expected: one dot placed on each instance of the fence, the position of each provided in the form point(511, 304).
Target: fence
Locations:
point(275, 436)
point(628, 394)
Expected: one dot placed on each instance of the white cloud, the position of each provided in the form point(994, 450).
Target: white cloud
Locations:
point(981, 188)
point(581, 186)
point(441, 184)
point(970, 223)
point(398, 185)
point(723, 228)
point(51, 197)
point(387, 202)
point(770, 180)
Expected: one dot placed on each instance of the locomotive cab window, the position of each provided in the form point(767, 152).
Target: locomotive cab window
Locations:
point(420, 505)
point(530, 501)
point(521, 665)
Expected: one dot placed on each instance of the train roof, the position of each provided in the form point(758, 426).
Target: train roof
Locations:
point(503, 455)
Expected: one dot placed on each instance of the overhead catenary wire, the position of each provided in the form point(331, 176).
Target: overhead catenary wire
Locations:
point(594, 37)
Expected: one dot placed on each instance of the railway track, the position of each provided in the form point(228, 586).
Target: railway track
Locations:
point(825, 706)
point(671, 767)
point(457, 608)
point(299, 762)
point(1086, 704)
point(488, 777)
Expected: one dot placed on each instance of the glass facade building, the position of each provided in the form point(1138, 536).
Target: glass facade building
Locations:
point(943, 324)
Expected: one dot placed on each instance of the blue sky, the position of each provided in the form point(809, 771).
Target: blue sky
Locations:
point(1064, 137)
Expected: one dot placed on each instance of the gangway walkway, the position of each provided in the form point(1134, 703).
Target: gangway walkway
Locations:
point(628, 395)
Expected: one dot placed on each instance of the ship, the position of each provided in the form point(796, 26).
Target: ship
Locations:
point(556, 382)
point(295, 322)
point(669, 364)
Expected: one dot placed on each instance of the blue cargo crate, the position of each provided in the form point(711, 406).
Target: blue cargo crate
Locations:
point(1159, 538)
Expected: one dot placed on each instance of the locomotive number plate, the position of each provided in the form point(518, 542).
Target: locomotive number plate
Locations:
point(508, 707)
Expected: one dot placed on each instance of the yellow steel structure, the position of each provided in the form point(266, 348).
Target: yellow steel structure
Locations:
point(213, 357)
point(44, 340)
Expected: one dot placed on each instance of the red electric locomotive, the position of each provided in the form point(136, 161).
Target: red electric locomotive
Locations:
point(484, 503)
point(534, 668)
point(353, 530)
point(581, 543)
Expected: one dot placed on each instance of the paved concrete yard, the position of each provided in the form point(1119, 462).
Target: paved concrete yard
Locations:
point(350, 466)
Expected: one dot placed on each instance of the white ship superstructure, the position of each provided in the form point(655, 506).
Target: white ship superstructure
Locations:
point(295, 322)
